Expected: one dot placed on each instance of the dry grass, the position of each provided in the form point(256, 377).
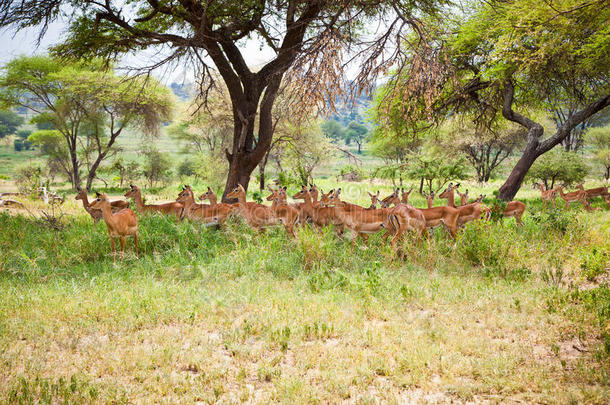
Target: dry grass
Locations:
point(231, 317)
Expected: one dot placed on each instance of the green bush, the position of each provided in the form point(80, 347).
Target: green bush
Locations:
point(558, 167)
point(593, 262)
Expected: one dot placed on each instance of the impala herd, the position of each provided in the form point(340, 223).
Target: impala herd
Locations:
point(393, 213)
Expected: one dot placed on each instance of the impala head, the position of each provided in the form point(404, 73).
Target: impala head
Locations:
point(100, 201)
point(325, 199)
point(334, 200)
point(236, 192)
point(391, 199)
point(301, 194)
point(374, 199)
point(209, 194)
point(133, 191)
point(480, 198)
point(313, 190)
point(448, 192)
point(82, 194)
point(185, 194)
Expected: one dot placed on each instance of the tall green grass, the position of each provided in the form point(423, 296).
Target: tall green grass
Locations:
point(312, 288)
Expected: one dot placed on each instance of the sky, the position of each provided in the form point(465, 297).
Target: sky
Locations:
point(25, 43)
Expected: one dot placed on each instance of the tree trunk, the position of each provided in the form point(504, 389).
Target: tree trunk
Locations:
point(75, 174)
point(261, 167)
point(513, 183)
point(247, 153)
point(535, 147)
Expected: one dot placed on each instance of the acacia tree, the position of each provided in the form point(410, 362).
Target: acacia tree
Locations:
point(485, 147)
point(496, 59)
point(89, 107)
point(305, 36)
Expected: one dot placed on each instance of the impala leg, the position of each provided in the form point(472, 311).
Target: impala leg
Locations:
point(355, 236)
point(122, 247)
point(113, 244)
point(135, 239)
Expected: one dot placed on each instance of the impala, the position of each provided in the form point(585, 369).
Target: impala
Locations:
point(596, 192)
point(547, 195)
point(579, 195)
point(467, 213)
point(120, 225)
point(95, 213)
point(429, 198)
point(374, 200)
point(321, 214)
point(286, 214)
point(191, 210)
point(404, 198)
point(223, 211)
point(258, 216)
point(463, 197)
point(171, 208)
point(514, 209)
point(401, 218)
point(435, 216)
point(394, 199)
point(360, 221)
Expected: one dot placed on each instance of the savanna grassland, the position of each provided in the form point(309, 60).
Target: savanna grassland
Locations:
point(502, 314)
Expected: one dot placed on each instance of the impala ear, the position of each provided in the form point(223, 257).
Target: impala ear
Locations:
point(285, 188)
point(209, 189)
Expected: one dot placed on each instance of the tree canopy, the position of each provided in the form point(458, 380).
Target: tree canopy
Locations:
point(307, 39)
point(492, 58)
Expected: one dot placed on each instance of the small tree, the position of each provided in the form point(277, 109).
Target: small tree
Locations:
point(127, 172)
point(9, 122)
point(156, 167)
point(558, 166)
point(51, 143)
point(356, 132)
point(434, 169)
point(89, 106)
point(333, 130)
point(484, 147)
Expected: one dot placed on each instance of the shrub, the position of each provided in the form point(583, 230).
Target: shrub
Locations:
point(593, 262)
point(558, 166)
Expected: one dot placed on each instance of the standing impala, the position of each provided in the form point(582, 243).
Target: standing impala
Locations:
point(547, 195)
point(467, 213)
point(596, 192)
point(95, 213)
point(191, 210)
point(285, 214)
point(258, 216)
point(120, 225)
point(405, 195)
point(463, 197)
point(429, 198)
point(579, 195)
point(321, 214)
point(223, 210)
point(434, 216)
point(171, 208)
point(359, 220)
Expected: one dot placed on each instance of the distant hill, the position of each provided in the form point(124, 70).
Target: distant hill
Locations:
point(184, 91)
